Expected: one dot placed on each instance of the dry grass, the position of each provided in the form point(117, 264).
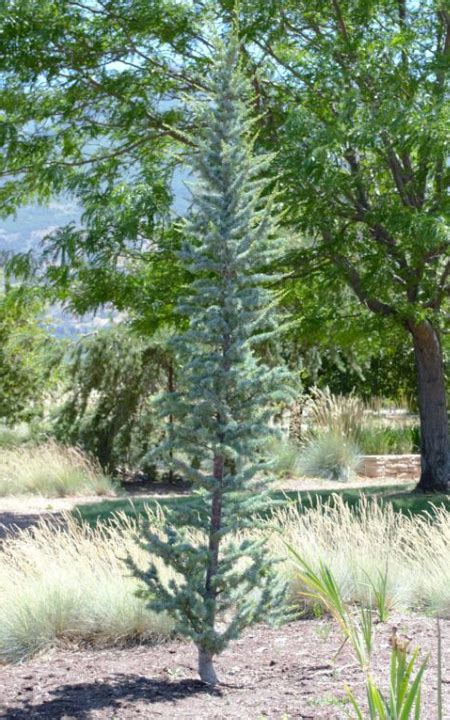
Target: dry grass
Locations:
point(341, 415)
point(357, 546)
point(51, 470)
point(71, 584)
point(330, 449)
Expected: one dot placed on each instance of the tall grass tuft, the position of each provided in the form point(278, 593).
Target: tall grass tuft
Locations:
point(341, 415)
point(330, 450)
point(330, 456)
point(376, 439)
point(60, 585)
point(405, 558)
point(50, 470)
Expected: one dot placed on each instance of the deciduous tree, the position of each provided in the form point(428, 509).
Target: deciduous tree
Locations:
point(353, 94)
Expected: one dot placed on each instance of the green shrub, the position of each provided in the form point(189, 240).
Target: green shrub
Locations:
point(112, 377)
point(33, 432)
point(388, 439)
point(15, 435)
point(51, 470)
point(330, 456)
point(285, 455)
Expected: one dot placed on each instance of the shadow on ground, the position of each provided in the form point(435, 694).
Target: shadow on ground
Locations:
point(11, 522)
point(78, 701)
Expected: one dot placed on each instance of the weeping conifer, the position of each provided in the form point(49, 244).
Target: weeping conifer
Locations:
point(223, 582)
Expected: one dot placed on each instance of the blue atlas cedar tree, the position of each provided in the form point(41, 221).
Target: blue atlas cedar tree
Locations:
point(222, 580)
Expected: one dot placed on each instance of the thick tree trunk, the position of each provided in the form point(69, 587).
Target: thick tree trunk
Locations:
point(434, 428)
point(206, 667)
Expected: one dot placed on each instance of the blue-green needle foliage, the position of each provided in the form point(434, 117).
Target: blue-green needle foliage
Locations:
point(222, 410)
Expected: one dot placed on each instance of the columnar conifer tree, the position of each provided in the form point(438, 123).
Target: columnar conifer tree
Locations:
point(225, 581)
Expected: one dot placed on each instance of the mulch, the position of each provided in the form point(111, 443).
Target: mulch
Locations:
point(283, 674)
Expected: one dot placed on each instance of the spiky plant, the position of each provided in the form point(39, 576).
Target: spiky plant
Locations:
point(224, 582)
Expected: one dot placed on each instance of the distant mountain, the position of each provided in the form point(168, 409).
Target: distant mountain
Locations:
point(32, 223)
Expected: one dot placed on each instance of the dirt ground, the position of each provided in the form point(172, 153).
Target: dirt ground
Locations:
point(284, 674)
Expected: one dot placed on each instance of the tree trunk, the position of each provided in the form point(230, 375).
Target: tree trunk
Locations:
point(170, 389)
point(205, 664)
point(434, 429)
point(206, 667)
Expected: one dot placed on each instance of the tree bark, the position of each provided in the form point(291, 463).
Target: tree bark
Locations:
point(434, 427)
point(206, 667)
point(170, 389)
point(205, 657)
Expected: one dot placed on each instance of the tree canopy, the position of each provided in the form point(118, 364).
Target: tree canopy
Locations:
point(352, 94)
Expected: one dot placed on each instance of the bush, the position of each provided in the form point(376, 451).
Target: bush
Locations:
point(112, 377)
point(33, 432)
point(28, 364)
point(15, 435)
point(285, 455)
point(388, 440)
point(51, 470)
point(60, 585)
point(330, 456)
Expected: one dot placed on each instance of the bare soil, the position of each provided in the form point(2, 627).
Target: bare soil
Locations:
point(283, 674)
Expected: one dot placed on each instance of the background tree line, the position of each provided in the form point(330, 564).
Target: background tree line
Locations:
point(353, 96)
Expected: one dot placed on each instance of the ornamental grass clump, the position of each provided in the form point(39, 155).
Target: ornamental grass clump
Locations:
point(50, 470)
point(409, 570)
point(340, 414)
point(223, 582)
point(330, 456)
point(66, 584)
point(330, 450)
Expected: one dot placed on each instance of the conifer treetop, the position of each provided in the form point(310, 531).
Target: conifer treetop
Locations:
point(223, 579)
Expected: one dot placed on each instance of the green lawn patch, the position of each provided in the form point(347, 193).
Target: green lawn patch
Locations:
point(403, 500)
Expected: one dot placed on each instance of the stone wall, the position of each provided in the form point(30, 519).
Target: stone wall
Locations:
point(379, 466)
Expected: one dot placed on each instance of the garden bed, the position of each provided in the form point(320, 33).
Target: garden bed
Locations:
point(286, 673)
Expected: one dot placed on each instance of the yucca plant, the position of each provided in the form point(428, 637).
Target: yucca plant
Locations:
point(322, 587)
point(403, 700)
